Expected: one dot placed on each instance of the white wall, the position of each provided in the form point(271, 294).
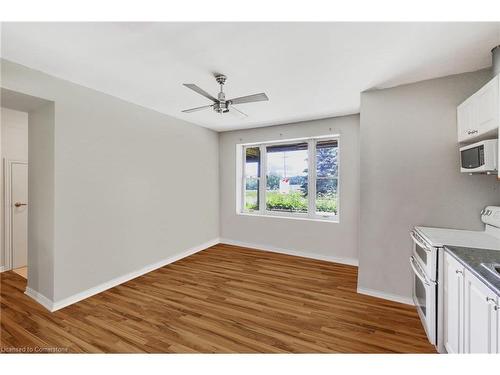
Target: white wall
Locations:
point(14, 146)
point(14, 134)
point(335, 241)
point(132, 186)
point(410, 175)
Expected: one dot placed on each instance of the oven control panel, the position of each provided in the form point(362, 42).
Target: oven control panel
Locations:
point(491, 216)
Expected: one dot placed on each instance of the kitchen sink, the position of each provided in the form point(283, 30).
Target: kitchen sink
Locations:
point(494, 268)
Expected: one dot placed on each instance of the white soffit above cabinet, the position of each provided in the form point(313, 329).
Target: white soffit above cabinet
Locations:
point(308, 70)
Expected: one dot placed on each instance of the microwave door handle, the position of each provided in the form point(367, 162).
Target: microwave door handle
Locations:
point(417, 271)
point(418, 242)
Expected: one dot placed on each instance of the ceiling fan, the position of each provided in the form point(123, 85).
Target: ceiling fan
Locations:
point(220, 104)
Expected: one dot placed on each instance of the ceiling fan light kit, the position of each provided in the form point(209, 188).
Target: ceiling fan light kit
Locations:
point(220, 104)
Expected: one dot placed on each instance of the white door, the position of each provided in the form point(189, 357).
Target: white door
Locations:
point(453, 305)
point(19, 207)
point(480, 317)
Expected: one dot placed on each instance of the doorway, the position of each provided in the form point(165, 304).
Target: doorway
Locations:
point(14, 152)
point(17, 206)
point(27, 209)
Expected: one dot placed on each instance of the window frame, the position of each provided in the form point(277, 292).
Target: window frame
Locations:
point(312, 178)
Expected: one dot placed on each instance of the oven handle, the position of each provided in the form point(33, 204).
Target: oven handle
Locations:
point(418, 242)
point(417, 271)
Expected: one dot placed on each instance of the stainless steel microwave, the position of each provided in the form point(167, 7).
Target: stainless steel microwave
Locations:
point(480, 157)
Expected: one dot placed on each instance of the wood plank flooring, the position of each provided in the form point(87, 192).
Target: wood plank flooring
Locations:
point(23, 271)
point(224, 299)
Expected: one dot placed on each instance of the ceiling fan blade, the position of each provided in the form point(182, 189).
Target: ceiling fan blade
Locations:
point(249, 99)
point(237, 110)
point(197, 109)
point(200, 91)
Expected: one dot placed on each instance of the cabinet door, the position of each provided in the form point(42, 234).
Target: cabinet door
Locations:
point(486, 107)
point(453, 304)
point(498, 326)
point(465, 120)
point(480, 317)
point(479, 114)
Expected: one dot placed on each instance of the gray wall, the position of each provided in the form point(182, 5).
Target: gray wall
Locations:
point(410, 175)
point(41, 200)
point(123, 199)
point(325, 239)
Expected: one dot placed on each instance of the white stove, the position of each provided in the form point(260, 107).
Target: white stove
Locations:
point(426, 262)
point(439, 237)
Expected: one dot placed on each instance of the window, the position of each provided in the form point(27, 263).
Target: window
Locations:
point(326, 177)
point(286, 178)
point(297, 178)
point(252, 178)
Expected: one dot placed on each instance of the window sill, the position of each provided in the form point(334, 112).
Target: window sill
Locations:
point(331, 219)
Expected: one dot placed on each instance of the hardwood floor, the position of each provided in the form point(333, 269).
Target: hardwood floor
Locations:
point(23, 271)
point(224, 299)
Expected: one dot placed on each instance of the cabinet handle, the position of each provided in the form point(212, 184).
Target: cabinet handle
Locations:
point(493, 302)
point(460, 272)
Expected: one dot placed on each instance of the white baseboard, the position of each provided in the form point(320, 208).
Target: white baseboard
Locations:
point(40, 298)
point(388, 296)
point(3, 269)
point(56, 305)
point(328, 258)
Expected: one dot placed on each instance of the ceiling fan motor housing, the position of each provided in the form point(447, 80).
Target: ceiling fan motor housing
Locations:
point(221, 107)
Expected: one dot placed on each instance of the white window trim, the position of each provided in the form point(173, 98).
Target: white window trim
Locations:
point(262, 211)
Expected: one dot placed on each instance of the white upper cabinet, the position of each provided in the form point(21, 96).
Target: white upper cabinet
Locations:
point(465, 120)
point(480, 317)
point(479, 115)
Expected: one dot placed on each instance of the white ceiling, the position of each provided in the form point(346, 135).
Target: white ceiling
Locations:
point(308, 70)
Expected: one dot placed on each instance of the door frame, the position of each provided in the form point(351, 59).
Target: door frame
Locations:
point(7, 224)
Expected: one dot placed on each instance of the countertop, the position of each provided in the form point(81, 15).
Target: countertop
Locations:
point(472, 258)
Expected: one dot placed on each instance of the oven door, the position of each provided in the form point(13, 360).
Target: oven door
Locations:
point(425, 254)
point(424, 296)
